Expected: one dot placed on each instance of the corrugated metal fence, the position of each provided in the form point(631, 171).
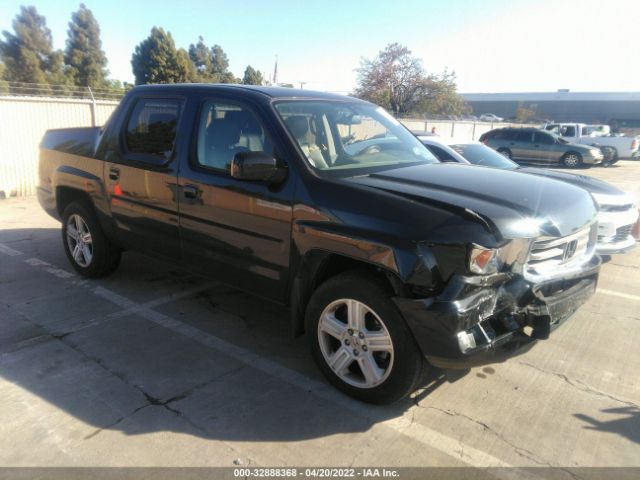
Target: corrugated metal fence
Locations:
point(23, 121)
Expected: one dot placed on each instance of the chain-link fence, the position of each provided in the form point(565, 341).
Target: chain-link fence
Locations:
point(22, 89)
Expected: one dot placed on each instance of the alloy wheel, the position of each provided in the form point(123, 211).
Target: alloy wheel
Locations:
point(571, 160)
point(79, 240)
point(355, 343)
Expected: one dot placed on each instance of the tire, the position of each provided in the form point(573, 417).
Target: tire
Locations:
point(572, 160)
point(610, 156)
point(506, 152)
point(377, 340)
point(94, 255)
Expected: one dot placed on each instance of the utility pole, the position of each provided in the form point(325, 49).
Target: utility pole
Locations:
point(275, 72)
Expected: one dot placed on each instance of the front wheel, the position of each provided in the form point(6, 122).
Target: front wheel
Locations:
point(88, 249)
point(572, 160)
point(359, 340)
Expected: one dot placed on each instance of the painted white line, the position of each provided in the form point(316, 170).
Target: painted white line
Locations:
point(613, 293)
point(58, 272)
point(114, 297)
point(9, 251)
point(161, 301)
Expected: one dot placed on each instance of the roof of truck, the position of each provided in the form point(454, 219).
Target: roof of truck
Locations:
point(273, 92)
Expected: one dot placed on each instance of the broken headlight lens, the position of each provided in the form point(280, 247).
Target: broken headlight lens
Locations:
point(484, 260)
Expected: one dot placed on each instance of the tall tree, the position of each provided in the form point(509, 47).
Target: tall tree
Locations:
point(28, 53)
point(84, 56)
point(394, 79)
point(156, 60)
point(200, 56)
point(211, 64)
point(252, 76)
point(440, 96)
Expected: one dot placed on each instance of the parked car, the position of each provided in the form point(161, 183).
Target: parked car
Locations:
point(617, 210)
point(532, 145)
point(581, 133)
point(384, 255)
point(490, 117)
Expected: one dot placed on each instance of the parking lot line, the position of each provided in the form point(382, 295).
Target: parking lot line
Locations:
point(626, 296)
point(4, 249)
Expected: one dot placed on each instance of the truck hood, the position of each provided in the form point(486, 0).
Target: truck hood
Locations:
point(592, 185)
point(517, 205)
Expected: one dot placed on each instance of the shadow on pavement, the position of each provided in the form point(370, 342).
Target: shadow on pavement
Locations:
point(62, 342)
point(627, 423)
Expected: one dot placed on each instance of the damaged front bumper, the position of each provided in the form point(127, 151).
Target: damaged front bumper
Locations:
point(475, 321)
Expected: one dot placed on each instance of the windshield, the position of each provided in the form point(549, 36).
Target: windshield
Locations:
point(335, 136)
point(482, 155)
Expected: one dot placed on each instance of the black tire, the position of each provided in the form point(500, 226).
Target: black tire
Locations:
point(105, 256)
point(572, 160)
point(404, 365)
point(506, 152)
point(610, 156)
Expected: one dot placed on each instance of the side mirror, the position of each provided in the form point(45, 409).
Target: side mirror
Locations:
point(257, 167)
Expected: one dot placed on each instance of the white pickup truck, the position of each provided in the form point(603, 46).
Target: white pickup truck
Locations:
point(613, 147)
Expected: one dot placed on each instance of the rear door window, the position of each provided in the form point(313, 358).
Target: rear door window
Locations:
point(523, 136)
point(542, 138)
point(151, 130)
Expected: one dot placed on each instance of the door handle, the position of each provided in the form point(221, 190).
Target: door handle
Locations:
point(190, 191)
point(114, 173)
point(512, 143)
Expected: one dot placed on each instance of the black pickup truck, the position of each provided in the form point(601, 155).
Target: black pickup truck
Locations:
point(388, 259)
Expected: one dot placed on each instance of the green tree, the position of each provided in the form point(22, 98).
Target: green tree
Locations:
point(85, 59)
point(440, 96)
point(28, 53)
point(3, 86)
point(200, 56)
point(211, 64)
point(156, 60)
point(252, 76)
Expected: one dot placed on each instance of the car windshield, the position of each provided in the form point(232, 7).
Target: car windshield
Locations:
point(336, 136)
point(479, 154)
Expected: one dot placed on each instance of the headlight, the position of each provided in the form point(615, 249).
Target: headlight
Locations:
point(613, 203)
point(484, 260)
point(595, 152)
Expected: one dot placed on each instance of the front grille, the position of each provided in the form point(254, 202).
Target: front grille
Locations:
point(622, 233)
point(548, 255)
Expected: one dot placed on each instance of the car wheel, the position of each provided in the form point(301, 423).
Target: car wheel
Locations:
point(88, 249)
point(572, 160)
point(505, 152)
point(609, 154)
point(359, 340)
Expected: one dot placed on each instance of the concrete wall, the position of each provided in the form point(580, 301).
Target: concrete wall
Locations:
point(23, 121)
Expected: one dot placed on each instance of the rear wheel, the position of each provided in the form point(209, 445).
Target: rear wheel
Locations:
point(572, 160)
point(360, 341)
point(506, 152)
point(610, 155)
point(88, 249)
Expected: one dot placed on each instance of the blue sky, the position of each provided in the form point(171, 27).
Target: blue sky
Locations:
point(492, 45)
